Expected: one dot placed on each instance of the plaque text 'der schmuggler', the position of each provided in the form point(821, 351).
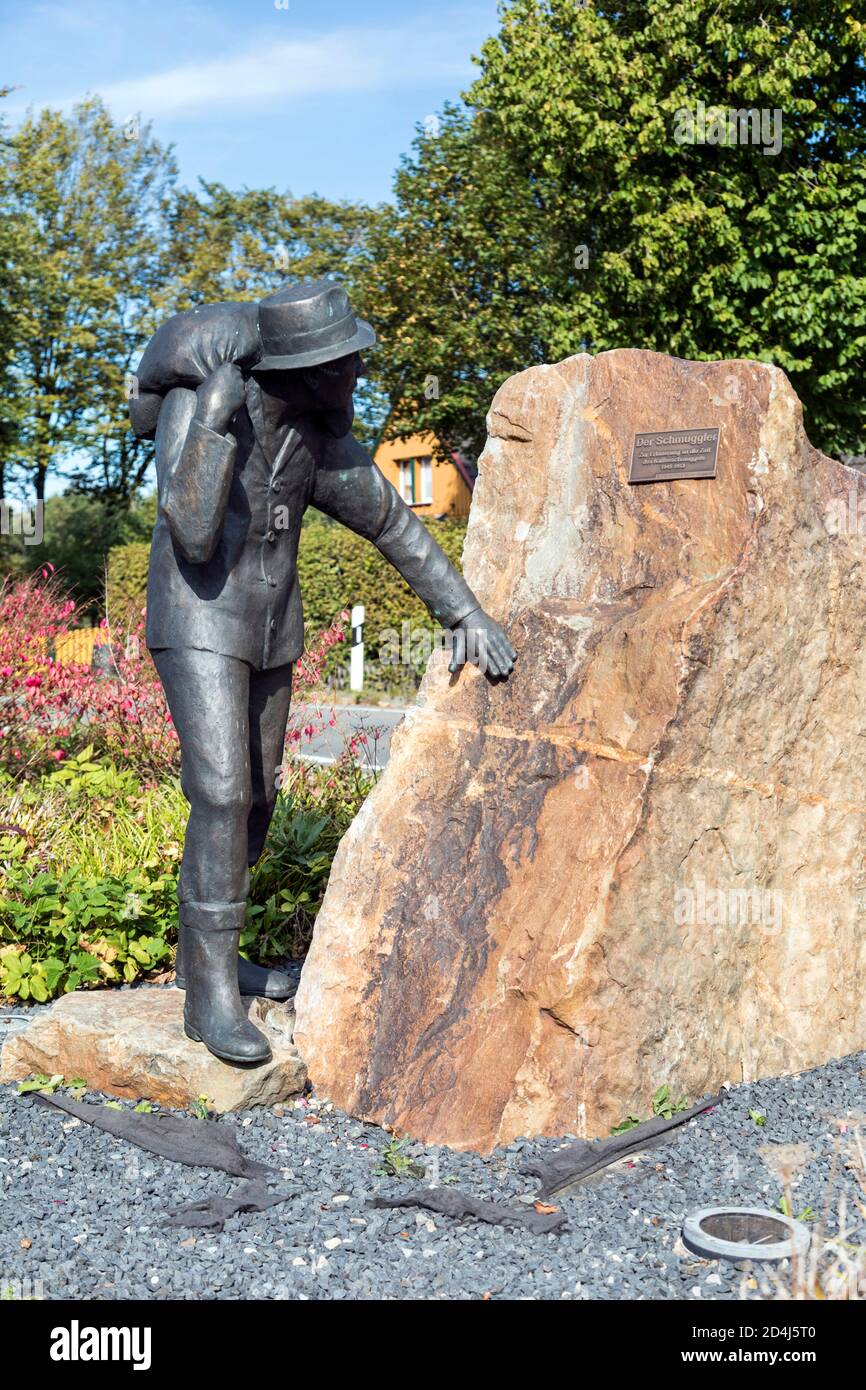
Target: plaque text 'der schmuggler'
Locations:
point(664, 455)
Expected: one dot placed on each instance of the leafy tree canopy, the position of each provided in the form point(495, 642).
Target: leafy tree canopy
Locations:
point(98, 245)
point(563, 211)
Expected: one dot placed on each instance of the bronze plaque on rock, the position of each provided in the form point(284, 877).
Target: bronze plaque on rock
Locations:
point(665, 455)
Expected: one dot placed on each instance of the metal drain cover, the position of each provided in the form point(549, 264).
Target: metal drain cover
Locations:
point(744, 1233)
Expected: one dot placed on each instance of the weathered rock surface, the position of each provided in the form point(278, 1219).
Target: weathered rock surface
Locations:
point(131, 1043)
point(640, 860)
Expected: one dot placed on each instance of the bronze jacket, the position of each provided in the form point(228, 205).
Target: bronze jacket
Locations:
point(245, 600)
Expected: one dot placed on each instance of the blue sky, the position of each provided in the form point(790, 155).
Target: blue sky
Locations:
point(320, 97)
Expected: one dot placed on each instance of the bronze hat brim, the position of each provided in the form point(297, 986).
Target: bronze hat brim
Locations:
point(314, 357)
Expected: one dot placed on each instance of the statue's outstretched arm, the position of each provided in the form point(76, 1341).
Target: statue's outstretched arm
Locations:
point(351, 488)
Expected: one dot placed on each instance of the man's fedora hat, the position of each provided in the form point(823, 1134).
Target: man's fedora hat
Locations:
point(304, 325)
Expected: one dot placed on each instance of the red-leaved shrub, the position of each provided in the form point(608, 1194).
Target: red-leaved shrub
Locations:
point(49, 709)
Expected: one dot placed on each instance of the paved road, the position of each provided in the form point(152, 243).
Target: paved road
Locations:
point(376, 721)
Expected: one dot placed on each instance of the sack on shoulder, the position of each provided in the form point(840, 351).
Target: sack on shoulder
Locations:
point(185, 350)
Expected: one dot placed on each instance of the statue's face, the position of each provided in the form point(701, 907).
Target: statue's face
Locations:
point(333, 385)
point(335, 382)
point(328, 388)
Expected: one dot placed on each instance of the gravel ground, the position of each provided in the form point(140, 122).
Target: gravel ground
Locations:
point(80, 1212)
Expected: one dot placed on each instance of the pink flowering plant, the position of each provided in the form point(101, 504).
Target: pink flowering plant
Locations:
point(51, 708)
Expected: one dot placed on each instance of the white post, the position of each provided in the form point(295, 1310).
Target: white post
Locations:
point(356, 660)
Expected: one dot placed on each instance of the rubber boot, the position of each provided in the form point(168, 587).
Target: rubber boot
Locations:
point(213, 1013)
point(256, 980)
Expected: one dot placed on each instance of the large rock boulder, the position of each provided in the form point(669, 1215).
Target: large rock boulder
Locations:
point(640, 860)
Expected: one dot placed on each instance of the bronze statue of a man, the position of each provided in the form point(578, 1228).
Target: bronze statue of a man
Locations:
point(251, 407)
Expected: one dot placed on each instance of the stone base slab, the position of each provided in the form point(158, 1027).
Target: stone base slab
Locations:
point(131, 1043)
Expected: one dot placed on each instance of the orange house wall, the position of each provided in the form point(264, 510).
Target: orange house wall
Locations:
point(451, 496)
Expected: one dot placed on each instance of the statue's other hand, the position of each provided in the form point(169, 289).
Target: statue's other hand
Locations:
point(478, 638)
point(220, 396)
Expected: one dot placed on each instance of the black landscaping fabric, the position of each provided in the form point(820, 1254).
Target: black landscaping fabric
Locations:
point(208, 1144)
point(212, 1213)
point(580, 1160)
point(448, 1202)
point(198, 1143)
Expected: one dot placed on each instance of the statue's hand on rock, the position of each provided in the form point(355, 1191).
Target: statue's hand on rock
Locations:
point(478, 638)
point(220, 396)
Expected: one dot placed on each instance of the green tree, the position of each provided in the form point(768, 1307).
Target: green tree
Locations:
point(459, 278)
point(612, 232)
point(91, 197)
point(16, 262)
point(242, 245)
point(97, 246)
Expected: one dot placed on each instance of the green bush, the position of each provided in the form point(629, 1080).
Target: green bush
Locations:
point(89, 859)
point(71, 929)
point(80, 532)
point(337, 568)
point(88, 875)
point(127, 583)
point(314, 810)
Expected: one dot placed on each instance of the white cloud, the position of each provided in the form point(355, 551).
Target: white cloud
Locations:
point(349, 60)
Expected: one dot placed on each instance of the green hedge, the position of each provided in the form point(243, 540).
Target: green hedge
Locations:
point(127, 582)
point(336, 568)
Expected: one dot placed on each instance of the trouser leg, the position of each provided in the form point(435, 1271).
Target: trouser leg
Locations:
point(229, 720)
point(269, 700)
point(208, 696)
